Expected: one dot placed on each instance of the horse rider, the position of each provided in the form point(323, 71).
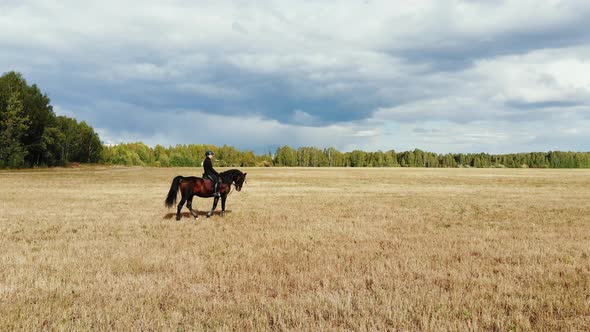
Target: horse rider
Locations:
point(210, 173)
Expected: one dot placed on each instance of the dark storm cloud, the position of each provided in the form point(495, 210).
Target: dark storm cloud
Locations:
point(458, 51)
point(446, 45)
point(518, 104)
point(220, 88)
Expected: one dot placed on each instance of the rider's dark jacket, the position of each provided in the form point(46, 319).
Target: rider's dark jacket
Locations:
point(208, 166)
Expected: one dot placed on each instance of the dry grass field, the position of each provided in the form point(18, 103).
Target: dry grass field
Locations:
point(94, 248)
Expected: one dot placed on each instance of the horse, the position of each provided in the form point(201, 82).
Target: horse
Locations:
point(193, 186)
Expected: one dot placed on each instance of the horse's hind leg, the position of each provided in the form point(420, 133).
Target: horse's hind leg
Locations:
point(180, 207)
point(189, 205)
point(185, 193)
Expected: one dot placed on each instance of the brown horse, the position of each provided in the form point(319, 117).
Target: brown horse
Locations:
point(194, 186)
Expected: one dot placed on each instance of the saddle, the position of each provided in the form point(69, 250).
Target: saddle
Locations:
point(210, 177)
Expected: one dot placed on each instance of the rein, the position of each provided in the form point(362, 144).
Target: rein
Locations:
point(231, 188)
point(230, 175)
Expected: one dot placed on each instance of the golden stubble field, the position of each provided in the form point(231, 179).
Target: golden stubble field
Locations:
point(304, 249)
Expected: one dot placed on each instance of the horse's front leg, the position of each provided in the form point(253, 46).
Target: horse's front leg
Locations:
point(223, 198)
point(213, 208)
point(189, 205)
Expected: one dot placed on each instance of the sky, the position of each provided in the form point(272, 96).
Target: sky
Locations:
point(491, 76)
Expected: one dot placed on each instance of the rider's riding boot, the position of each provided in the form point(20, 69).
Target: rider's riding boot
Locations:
point(216, 190)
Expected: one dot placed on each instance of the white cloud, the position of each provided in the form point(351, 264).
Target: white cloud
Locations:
point(539, 76)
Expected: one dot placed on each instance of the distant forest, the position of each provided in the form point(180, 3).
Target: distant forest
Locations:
point(31, 135)
point(226, 156)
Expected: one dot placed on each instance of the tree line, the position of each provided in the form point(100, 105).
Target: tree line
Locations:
point(313, 157)
point(226, 156)
point(31, 135)
point(191, 155)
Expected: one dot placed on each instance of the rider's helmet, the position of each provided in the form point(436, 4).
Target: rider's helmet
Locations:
point(209, 153)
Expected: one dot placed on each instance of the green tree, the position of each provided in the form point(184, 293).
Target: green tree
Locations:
point(13, 126)
point(70, 144)
point(286, 156)
point(334, 157)
point(52, 145)
point(90, 145)
point(36, 108)
point(248, 159)
point(358, 158)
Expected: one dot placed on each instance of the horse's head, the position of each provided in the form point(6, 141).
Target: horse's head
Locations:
point(239, 181)
point(234, 176)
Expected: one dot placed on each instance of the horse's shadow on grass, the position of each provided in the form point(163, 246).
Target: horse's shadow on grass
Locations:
point(172, 215)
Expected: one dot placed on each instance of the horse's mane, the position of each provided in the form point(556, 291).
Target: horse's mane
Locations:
point(229, 175)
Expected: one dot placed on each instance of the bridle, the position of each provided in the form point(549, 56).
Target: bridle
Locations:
point(232, 186)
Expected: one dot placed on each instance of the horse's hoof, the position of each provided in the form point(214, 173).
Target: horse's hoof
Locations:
point(222, 213)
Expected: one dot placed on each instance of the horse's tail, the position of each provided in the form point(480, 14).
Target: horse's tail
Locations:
point(173, 193)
